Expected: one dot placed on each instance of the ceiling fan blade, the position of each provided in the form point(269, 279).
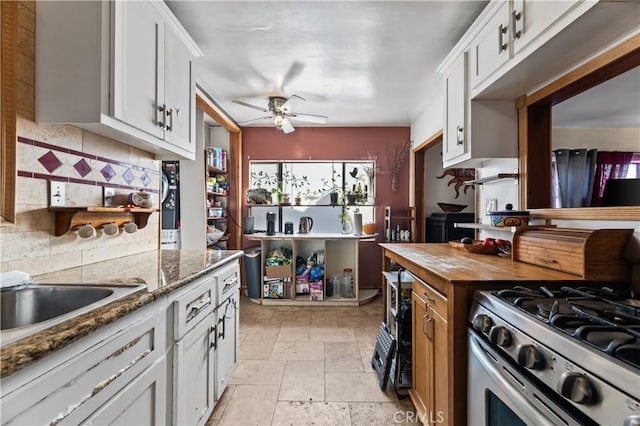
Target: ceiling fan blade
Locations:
point(286, 126)
point(294, 71)
point(250, 106)
point(311, 118)
point(292, 102)
point(254, 119)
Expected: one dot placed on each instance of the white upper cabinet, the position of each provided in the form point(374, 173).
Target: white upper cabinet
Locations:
point(179, 92)
point(532, 18)
point(455, 89)
point(139, 66)
point(474, 131)
point(120, 69)
point(490, 48)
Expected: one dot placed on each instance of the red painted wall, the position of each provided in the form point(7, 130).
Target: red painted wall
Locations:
point(337, 143)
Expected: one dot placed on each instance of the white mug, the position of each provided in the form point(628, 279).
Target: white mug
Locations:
point(110, 229)
point(130, 227)
point(87, 231)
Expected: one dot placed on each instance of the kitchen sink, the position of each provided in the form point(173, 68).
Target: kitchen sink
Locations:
point(34, 307)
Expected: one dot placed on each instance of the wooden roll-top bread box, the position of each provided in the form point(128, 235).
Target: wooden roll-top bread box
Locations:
point(593, 254)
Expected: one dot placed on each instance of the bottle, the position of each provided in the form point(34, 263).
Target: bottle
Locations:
point(337, 285)
point(347, 283)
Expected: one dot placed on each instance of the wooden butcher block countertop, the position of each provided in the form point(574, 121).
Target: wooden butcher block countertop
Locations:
point(436, 262)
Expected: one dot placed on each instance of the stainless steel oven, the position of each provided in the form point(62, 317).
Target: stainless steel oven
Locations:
point(565, 357)
point(500, 395)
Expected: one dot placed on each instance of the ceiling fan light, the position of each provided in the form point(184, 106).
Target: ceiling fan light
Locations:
point(277, 120)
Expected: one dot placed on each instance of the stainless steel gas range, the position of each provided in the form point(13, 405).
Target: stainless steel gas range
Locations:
point(570, 356)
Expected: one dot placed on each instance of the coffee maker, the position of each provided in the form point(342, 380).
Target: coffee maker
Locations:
point(271, 223)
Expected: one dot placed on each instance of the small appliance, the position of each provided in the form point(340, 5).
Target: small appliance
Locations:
point(306, 223)
point(271, 223)
point(288, 227)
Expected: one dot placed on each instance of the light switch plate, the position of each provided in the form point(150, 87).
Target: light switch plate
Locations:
point(57, 193)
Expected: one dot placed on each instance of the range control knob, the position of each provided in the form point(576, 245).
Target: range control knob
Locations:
point(576, 387)
point(482, 323)
point(530, 357)
point(500, 336)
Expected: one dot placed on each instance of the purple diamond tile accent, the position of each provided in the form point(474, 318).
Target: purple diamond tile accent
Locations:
point(82, 167)
point(50, 161)
point(145, 179)
point(128, 176)
point(108, 172)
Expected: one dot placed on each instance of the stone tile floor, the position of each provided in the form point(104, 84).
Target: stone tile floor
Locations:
point(309, 366)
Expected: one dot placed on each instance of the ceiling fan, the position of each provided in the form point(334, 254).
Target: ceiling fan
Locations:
point(280, 110)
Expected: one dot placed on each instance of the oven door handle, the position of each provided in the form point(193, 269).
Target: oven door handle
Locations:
point(515, 396)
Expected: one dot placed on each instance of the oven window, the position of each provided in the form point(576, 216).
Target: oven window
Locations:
point(499, 414)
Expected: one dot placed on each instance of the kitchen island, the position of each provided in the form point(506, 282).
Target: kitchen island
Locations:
point(441, 297)
point(141, 348)
point(340, 252)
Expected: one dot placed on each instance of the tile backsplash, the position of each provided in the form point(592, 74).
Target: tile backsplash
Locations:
point(85, 162)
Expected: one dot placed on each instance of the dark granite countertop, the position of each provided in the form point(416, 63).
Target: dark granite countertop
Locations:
point(163, 271)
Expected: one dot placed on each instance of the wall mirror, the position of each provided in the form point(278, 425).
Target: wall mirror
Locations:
point(595, 141)
point(594, 107)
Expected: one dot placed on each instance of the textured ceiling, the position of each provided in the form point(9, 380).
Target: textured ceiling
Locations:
point(361, 63)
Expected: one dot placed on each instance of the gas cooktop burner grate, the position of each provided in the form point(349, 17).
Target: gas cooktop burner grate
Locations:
point(601, 318)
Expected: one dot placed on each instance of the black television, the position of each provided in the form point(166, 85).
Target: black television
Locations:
point(621, 192)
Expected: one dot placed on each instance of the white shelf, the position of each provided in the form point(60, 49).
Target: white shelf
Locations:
point(486, 227)
point(493, 178)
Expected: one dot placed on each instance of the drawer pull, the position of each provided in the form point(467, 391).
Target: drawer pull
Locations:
point(546, 259)
point(429, 298)
point(228, 284)
point(198, 306)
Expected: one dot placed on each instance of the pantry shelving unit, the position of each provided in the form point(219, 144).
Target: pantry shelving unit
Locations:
point(403, 219)
point(340, 251)
point(217, 195)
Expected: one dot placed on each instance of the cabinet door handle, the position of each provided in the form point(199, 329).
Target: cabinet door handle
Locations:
point(163, 110)
point(459, 135)
point(429, 298)
point(170, 115)
point(501, 45)
point(516, 17)
point(213, 331)
point(427, 326)
point(546, 259)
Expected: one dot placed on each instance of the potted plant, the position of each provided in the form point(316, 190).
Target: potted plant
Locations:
point(346, 220)
point(356, 195)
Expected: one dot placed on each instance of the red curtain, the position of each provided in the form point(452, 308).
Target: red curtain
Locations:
point(609, 165)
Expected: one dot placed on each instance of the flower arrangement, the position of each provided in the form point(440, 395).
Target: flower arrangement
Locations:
point(395, 158)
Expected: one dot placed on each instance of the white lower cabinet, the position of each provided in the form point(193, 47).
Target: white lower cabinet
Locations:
point(142, 402)
point(194, 373)
point(75, 383)
point(206, 343)
point(167, 363)
point(228, 342)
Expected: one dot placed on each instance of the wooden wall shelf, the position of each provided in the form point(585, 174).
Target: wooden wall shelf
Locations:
point(67, 218)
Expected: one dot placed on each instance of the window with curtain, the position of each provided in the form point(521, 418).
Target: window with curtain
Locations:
point(609, 165)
